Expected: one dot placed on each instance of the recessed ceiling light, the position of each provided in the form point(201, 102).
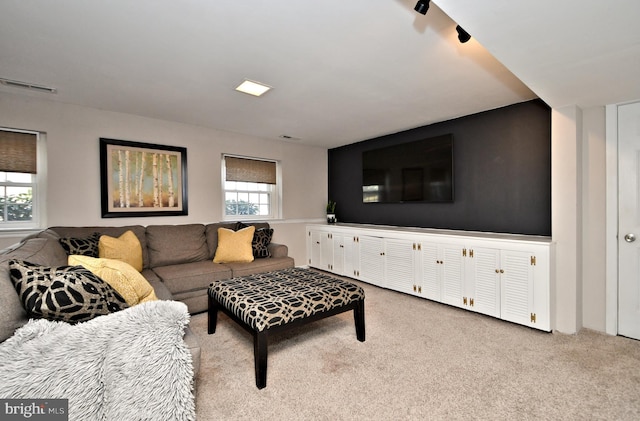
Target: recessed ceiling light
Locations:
point(26, 85)
point(253, 88)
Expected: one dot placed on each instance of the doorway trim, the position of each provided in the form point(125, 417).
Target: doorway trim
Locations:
point(611, 260)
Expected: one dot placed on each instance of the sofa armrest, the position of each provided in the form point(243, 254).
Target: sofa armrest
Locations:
point(278, 250)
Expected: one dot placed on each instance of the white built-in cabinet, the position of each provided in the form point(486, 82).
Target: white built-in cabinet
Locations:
point(500, 275)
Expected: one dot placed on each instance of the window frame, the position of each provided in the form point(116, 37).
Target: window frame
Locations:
point(275, 192)
point(38, 186)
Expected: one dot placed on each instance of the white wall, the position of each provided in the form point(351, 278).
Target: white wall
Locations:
point(594, 219)
point(579, 217)
point(566, 217)
point(73, 180)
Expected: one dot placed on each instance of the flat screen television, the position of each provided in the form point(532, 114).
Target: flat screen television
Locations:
point(414, 172)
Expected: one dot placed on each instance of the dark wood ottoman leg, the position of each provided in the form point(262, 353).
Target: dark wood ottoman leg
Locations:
point(358, 315)
point(260, 357)
point(212, 316)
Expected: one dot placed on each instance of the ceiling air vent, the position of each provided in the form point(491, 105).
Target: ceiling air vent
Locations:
point(287, 137)
point(25, 85)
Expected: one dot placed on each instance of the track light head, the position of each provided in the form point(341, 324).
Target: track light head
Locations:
point(463, 36)
point(422, 6)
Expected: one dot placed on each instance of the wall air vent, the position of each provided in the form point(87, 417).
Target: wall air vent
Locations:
point(26, 85)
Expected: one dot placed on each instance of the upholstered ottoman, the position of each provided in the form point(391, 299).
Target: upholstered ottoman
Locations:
point(274, 301)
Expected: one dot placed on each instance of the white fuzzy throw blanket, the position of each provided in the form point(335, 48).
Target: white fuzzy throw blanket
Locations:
point(129, 365)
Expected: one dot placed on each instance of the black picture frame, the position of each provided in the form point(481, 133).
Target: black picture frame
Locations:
point(142, 179)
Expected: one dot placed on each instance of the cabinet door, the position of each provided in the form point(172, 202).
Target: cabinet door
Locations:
point(338, 254)
point(372, 259)
point(482, 280)
point(517, 287)
point(314, 249)
point(399, 264)
point(351, 256)
point(430, 282)
point(326, 251)
point(453, 290)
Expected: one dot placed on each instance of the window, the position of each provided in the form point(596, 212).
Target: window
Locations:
point(251, 188)
point(19, 179)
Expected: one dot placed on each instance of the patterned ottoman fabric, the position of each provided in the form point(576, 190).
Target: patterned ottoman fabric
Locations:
point(276, 298)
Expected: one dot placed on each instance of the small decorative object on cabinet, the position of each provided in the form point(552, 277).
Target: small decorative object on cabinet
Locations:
point(331, 212)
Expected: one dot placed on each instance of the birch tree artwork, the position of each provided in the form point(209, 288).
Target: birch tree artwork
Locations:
point(144, 179)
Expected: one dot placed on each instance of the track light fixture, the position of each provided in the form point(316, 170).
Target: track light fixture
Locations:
point(463, 36)
point(422, 6)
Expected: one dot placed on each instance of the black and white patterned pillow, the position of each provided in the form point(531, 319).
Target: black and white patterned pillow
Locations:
point(261, 239)
point(83, 246)
point(66, 293)
point(239, 226)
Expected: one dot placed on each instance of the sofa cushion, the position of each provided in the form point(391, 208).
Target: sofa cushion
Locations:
point(160, 289)
point(82, 246)
point(116, 232)
point(12, 313)
point(196, 301)
point(261, 239)
point(211, 233)
point(278, 250)
point(172, 244)
point(64, 293)
point(44, 251)
point(234, 246)
point(191, 276)
point(151, 276)
point(260, 265)
point(123, 277)
point(126, 248)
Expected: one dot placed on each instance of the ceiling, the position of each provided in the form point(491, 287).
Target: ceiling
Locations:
point(341, 71)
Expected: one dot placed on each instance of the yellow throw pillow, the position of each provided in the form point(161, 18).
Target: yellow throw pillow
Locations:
point(234, 246)
point(129, 283)
point(126, 248)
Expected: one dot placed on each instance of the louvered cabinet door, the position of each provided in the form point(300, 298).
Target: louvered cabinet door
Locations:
point(372, 260)
point(483, 280)
point(338, 254)
point(453, 271)
point(326, 251)
point(314, 248)
point(399, 265)
point(517, 284)
point(431, 271)
point(351, 256)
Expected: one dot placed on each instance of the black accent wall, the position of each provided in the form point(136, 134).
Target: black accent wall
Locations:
point(502, 175)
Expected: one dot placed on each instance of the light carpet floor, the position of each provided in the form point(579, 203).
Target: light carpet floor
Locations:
point(421, 361)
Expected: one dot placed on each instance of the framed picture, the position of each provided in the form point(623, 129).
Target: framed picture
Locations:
point(142, 179)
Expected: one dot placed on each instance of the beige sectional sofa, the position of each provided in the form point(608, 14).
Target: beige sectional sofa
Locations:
point(177, 262)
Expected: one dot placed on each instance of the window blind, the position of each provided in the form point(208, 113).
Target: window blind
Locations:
point(17, 152)
point(250, 170)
